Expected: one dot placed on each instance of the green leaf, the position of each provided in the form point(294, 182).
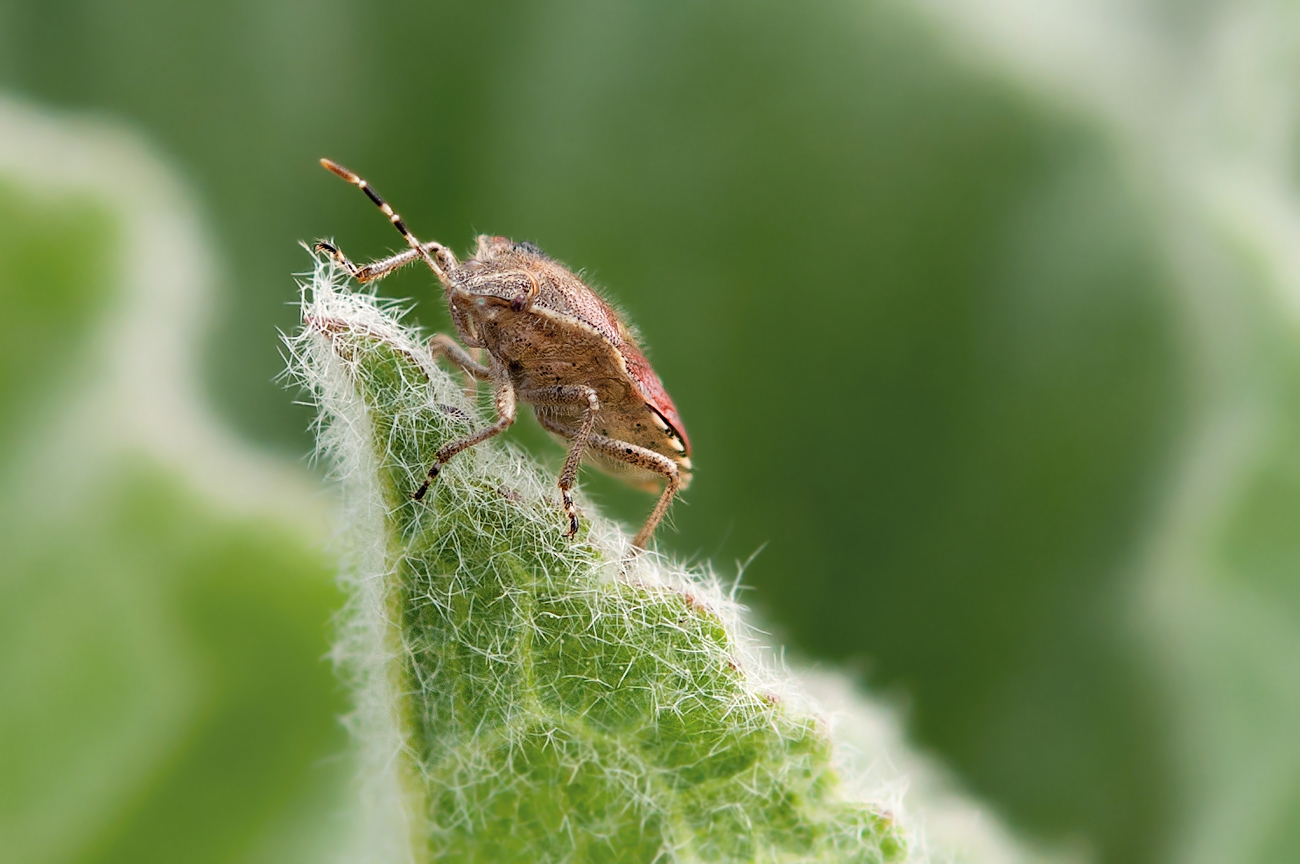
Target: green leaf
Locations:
point(164, 591)
point(546, 700)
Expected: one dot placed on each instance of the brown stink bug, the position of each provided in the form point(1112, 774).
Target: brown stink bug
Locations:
point(552, 342)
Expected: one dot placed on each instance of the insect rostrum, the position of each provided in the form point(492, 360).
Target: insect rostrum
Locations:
point(552, 342)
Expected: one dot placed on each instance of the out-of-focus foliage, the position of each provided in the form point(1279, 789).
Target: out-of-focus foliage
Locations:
point(161, 630)
point(981, 316)
point(1203, 101)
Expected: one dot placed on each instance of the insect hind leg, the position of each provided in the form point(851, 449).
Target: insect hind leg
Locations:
point(637, 457)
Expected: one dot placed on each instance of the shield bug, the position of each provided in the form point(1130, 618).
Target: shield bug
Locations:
point(552, 342)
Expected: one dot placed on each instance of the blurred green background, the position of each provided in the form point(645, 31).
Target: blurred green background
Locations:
point(980, 318)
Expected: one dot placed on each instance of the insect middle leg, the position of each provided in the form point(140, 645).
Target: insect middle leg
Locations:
point(505, 399)
point(638, 457)
point(568, 396)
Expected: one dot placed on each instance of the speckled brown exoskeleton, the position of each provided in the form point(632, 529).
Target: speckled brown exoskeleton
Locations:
point(552, 342)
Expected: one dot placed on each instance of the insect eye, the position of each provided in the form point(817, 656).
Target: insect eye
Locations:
point(525, 246)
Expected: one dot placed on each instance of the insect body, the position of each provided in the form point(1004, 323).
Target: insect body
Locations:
point(553, 343)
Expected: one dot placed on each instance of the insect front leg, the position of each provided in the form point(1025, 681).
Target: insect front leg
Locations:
point(638, 457)
point(442, 345)
point(505, 399)
point(379, 269)
point(568, 395)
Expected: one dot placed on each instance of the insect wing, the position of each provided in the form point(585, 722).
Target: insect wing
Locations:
point(652, 389)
